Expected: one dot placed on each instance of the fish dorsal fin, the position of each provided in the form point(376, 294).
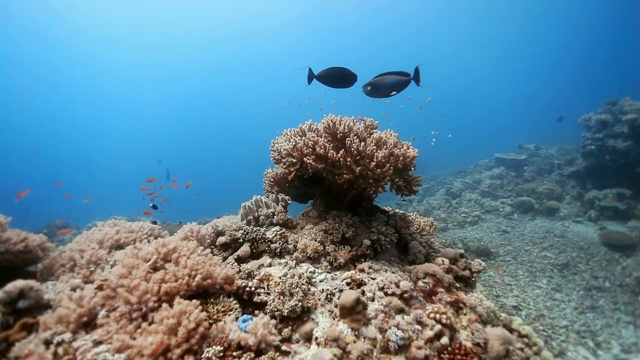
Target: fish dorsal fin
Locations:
point(396, 73)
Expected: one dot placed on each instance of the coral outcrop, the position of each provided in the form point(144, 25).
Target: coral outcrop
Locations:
point(341, 163)
point(611, 147)
point(19, 250)
point(345, 280)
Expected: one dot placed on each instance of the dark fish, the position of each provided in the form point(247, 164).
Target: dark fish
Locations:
point(390, 83)
point(560, 118)
point(334, 77)
point(154, 222)
point(154, 206)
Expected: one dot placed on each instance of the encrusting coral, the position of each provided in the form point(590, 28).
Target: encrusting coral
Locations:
point(334, 283)
point(342, 163)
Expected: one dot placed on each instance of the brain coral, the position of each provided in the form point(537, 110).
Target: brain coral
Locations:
point(341, 163)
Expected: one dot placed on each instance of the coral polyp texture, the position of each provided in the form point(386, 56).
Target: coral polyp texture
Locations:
point(341, 163)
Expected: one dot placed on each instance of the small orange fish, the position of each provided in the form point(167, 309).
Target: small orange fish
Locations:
point(86, 201)
point(418, 307)
point(150, 193)
point(158, 349)
point(151, 179)
point(174, 179)
point(22, 194)
point(498, 280)
point(147, 212)
point(144, 188)
point(66, 196)
point(346, 256)
point(188, 185)
point(58, 184)
point(293, 173)
point(499, 269)
point(361, 118)
point(64, 231)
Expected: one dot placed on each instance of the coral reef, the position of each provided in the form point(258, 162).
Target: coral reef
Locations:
point(267, 210)
point(611, 147)
point(346, 280)
point(181, 296)
point(20, 250)
point(341, 163)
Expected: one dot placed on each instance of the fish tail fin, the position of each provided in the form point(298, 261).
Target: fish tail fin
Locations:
point(310, 76)
point(416, 75)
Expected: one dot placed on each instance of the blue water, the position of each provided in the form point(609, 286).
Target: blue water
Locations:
point(99, 96)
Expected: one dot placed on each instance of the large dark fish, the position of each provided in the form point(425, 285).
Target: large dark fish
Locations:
point(334, 77)
point(390, 83)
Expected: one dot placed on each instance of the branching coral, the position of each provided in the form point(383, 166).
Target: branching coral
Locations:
point(267, 210)
point(141, 296)
point(19, 249)
point(342, 163)
point(89, 251)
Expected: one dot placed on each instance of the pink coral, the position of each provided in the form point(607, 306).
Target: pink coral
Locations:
point(18, 299)
point(341, 162)
point(140, 295)
point(88, 252)
point(19, 249)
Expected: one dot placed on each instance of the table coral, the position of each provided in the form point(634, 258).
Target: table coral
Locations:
point(341, 163)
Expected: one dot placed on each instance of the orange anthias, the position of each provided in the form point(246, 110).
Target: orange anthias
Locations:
point(22, 194)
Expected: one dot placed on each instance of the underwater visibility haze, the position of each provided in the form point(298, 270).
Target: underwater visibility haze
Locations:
point(101, 96)
point(521, 118)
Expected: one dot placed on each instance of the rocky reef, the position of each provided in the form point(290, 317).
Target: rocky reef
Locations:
point(600, 181)
point(611, 147)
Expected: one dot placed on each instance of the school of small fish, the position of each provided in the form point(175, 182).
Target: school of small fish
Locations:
point(153, 193)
